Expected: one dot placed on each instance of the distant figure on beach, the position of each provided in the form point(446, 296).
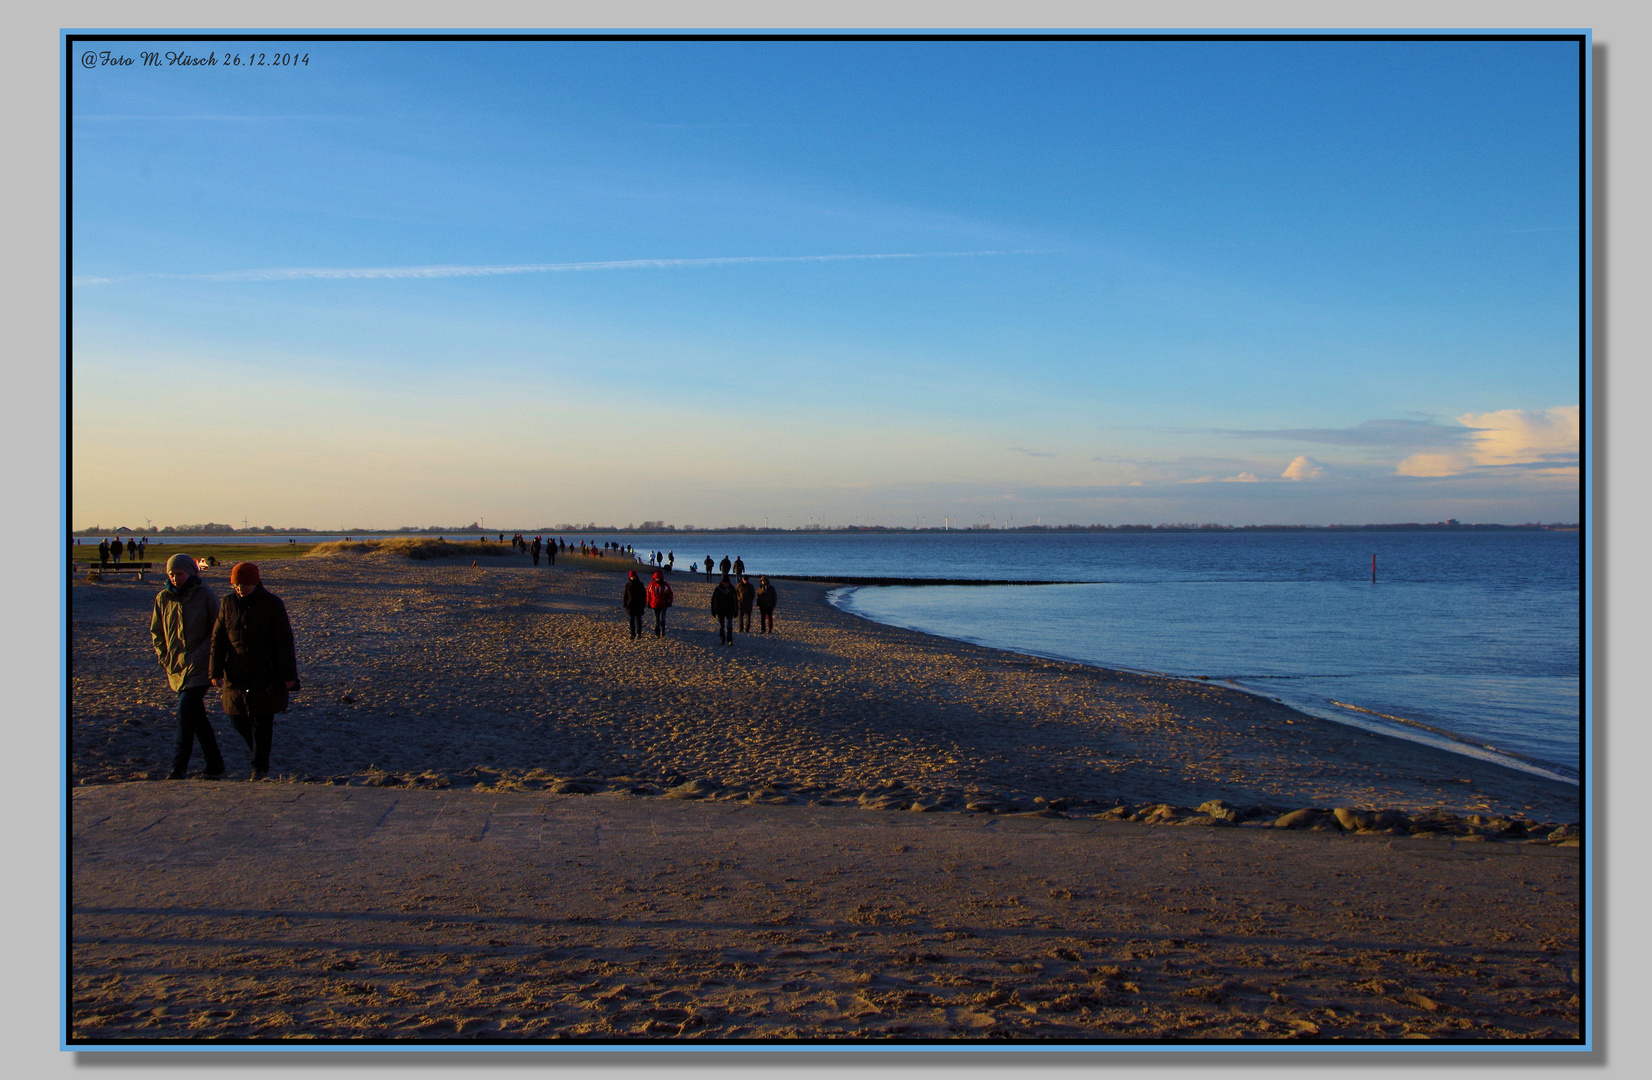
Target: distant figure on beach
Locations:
point(766, 601)
point(708, 567)
point(671, 560)
point(724, 566)
point(132, 549)
point(103, 553)
point(659, 599)
point(534, 550)
point(745, 594)
point(634, 599)
point(180, 628)
point(143, 547)
point(115, 551)
point(739, 566)
point(253, 661)
point(550, 551)
point(725, 604)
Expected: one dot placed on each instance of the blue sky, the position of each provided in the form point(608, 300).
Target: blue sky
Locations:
point(712, 283)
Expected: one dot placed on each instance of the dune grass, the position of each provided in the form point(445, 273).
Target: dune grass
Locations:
point(415, 547)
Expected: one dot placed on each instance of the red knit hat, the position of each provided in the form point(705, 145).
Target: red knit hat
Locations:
point(243, 573)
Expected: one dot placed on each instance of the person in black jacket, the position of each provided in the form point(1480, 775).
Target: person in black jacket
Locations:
point(634, 600)
point(725, 604)
point(253, 661)
point(745, 594)
point(766, 600)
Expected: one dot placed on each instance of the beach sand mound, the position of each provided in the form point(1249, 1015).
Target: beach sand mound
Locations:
point(412, 547)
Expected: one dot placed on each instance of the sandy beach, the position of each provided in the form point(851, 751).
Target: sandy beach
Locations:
point(755, 860)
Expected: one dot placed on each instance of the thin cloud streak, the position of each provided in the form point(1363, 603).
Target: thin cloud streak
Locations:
point(387, 272)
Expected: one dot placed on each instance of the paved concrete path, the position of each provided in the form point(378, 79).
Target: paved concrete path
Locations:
point(275, 911)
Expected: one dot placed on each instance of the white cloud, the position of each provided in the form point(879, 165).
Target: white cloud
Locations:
point(1303, 468)
point(1507, 437)
point(1242, 478)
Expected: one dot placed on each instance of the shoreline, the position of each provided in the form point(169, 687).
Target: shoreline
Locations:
point(851, 709)
point(1437, 739)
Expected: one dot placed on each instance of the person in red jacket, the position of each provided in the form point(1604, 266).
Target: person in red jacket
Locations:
point(659, 599)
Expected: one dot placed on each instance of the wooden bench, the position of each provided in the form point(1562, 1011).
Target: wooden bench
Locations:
point(92, 565)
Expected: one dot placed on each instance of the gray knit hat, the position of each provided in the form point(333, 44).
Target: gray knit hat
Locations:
point(182, 562)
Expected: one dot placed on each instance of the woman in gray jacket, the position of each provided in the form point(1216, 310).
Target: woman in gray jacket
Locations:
point(181, 629)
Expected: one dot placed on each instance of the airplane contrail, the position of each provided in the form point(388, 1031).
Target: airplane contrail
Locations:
point(447, 271)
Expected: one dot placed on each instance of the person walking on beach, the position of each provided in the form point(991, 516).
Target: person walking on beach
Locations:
point(103, 553)
point(550, 552)
point(724, 566)
point(115, 550)
point(708, 567)
point(659, 599)
point(725, 604)
point(181, 629)
point(633, 600)
point(131, 550)
point(766, 600)
point(143, 547)
point(739, 566)
point(533, 549)
point(253, 661)
point(745, 595)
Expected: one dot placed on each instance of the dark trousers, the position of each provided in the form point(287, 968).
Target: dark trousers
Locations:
point(725, 628)
point(256, 730)
point(659, 621)
point(745, 620)
point(636, 624)
point(766, 618)
point(536, 556)
point(193, 726)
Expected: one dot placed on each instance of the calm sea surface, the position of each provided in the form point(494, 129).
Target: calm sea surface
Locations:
point(1468, 640)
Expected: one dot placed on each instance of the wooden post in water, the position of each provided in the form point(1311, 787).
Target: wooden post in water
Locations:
point(1373, 568)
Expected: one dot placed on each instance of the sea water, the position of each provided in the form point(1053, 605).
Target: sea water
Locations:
point(1468, 640)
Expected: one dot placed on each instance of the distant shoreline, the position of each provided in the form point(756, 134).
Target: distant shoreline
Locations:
point(853, 530)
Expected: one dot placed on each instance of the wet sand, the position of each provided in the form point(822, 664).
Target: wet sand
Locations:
point(455, 691)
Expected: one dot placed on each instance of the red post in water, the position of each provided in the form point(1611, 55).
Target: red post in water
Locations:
point(1373, 569)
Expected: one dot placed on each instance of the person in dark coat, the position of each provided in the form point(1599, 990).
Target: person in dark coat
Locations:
point(659, 599)
point(253, 661)
point(766, 601)
point(103, 553)
point(725, 566)
point(634, 600)
point(115, 550)
point(708, 567)
point(181, 629)
point(745, 594)
point(725, 604)
point(739, 566)
point(533, 549)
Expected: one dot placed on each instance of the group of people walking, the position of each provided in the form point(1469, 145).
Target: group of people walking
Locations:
point(731, 604)
point(656, 596)
point(242, 645)
point(112, 549)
